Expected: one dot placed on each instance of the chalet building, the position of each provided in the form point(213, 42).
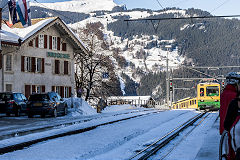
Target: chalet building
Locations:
point(39, 58)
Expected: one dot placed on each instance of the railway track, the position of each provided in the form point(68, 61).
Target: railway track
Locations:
point(153, 148)
point(20, 145)
point(16, 132)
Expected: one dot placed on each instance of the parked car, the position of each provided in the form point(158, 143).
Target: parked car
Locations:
point(46, 104)
point(15, 103)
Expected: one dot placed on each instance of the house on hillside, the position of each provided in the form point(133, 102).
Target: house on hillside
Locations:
point(39, 58)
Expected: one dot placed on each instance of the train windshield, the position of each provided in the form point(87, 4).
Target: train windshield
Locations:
point(212, 91)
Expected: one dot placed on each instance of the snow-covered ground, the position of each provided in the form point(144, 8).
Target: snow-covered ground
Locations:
point(120, 140)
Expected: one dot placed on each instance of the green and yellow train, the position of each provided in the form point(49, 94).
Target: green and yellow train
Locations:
point(208, 98)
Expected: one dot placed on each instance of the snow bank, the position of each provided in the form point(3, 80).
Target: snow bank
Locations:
point(80, 107)
point(115, 108)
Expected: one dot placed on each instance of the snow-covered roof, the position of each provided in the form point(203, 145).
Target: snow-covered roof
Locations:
point(12, 35)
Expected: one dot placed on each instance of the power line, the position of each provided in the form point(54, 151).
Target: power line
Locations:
point(160, 4)
point(179, 18)
point(219, 6)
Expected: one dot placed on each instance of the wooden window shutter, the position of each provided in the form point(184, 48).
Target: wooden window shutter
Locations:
point(70, 91)
point(33, 89)
point(43, 89)
point(33, 64)
point(65, 67)
point(22, 63)
point(43, 67)
point(53, 88)
point(64, 47)
point(50, 42)
point(45, 41)
point(36, 42)
point(27, 90)
point(30, 43)
point(57, 66)
point(58, 43)
point(62, 91)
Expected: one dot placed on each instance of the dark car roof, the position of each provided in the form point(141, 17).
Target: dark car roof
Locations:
point(42, 93)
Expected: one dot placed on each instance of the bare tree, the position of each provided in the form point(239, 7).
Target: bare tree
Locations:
point(91, 66)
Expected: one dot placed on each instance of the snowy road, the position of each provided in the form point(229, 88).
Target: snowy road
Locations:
point(119, 140)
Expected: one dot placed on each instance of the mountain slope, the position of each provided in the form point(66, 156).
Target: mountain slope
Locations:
point(82, 6)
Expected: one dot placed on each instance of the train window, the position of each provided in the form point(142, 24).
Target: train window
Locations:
point(195, 102)
point(201, 92)
point(212, 91)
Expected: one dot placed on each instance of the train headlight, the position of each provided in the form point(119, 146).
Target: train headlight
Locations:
point(201, 100)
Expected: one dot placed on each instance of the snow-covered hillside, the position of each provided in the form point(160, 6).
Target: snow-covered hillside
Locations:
point(156, 57)
point(84, 6)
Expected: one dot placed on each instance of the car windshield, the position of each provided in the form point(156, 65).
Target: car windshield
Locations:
point(39, 97)
point(5, 96)
point(212, 91)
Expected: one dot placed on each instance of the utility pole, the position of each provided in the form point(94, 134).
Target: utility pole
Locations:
point(2, 57)
point(167, 82)
point(171, 87)
point(173, 96)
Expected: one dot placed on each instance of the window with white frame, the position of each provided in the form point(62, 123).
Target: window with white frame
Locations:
point(41, 41)
point(8, 62)
point(66, 92)
point(38, 89)
point(38, 64)
point(54, 43)
point(28, 63)
point(58, 89)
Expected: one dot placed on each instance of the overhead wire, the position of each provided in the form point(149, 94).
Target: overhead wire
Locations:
point(219, 6)
point(179, 18)
point(160, 4)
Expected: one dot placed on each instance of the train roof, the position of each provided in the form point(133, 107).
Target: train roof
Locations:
point(209, 83)
point(184, 99)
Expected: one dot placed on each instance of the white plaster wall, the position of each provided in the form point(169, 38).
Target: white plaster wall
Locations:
point(19, 79)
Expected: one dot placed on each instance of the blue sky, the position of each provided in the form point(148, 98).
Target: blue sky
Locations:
point(216, 7)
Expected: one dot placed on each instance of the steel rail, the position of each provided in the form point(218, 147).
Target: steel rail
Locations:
point(165, 139)
point(184, 137)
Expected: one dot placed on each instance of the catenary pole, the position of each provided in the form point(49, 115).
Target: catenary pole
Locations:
point(167, 81)
point(2, 60)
